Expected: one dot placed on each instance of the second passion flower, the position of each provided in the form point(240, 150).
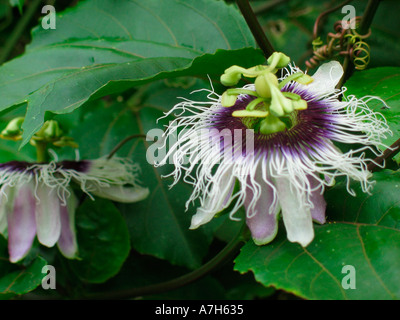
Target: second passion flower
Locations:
point(37, 199)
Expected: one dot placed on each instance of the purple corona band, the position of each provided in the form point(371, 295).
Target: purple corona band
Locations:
point(80, 166)
point(27, 167)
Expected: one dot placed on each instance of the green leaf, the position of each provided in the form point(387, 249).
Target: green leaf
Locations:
point(381, 208)
point(114, 78)
point(316, 272)
point(364, 234)
point(384, 83)
point(119, 47)
point(17, 279)
point(103, 241)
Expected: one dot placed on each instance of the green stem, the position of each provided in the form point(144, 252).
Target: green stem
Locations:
point(223, 256)
point(255, 27)
point(18, 30)
point(121, 143)
point(41, 152)
point(348, 68)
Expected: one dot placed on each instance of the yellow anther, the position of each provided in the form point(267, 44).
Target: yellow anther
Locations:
point(252, 113)
point(228, 100)
point(299, 104)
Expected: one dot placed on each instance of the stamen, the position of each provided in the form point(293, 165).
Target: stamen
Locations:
point(251, 114)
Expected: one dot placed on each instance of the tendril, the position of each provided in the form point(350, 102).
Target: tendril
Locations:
point(342, 42)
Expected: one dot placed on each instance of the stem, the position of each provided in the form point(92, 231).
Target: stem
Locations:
point(368, 16)
point(394, 148)
point(232, 247)
point(348, 68)
point(255, 27)
point(18, 30)
point(120, 144)
point(41, 152)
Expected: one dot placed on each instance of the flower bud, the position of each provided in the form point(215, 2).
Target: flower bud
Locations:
point(13, 128)
point(50, 130)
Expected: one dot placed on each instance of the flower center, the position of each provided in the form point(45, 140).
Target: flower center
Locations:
point(272, 110)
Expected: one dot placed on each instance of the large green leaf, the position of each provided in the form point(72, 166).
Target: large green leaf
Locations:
point(99, 47)
point(316, 272)
point(103, 241)
point(364, 234)
point(69, 92)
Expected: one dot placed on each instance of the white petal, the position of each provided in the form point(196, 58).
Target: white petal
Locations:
point(21, 222)
point(317, 199)
point(47, 213)
point(217, 199)
point(295, 213)
point(5, 203)
point(67, 242)
point(326, 78)
point(119, 193)
point(262, 217)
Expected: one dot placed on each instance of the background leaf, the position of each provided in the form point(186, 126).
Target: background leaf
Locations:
point(103, 241)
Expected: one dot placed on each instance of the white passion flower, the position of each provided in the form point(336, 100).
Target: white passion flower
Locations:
point(282, 163)
point(36, 199)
